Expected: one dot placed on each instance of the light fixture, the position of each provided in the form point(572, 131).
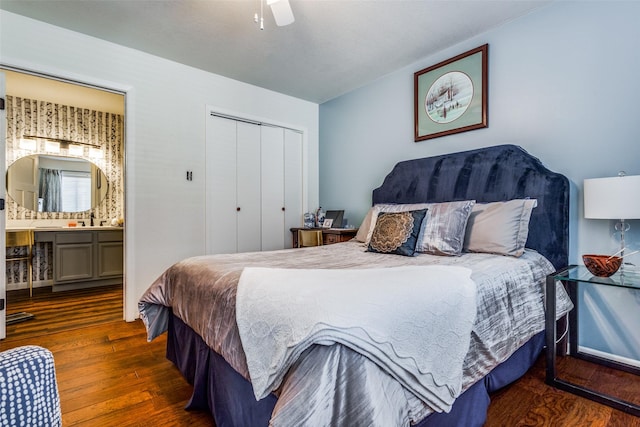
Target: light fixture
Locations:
point(28, 144)
point(96, 153)
point(51, 146)
point(613, 198)
point(282, 13)
point(76, 150)
point(64, 143)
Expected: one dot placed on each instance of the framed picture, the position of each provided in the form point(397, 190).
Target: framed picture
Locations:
point(336, 216)
point(451, 96)
point(327, 223)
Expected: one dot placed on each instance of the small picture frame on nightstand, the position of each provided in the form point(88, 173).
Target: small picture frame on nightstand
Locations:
point(336, 216)
point(327, 223)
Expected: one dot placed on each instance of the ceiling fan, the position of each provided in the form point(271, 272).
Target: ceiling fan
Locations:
point(281, 10)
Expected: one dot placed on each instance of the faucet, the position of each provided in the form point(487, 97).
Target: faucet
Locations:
point(92, 217)
point(81, 222)
point(103, 222)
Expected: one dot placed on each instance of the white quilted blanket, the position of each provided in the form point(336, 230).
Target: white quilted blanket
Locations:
point(414, 322)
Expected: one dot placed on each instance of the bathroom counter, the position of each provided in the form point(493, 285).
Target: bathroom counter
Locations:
point(63, 228)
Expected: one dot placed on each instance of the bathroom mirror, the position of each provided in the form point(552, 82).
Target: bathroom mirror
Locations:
point(49, 183)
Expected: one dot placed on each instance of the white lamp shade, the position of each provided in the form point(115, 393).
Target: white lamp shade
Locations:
point(612, 198)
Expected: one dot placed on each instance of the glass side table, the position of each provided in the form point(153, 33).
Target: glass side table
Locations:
point(573, 276)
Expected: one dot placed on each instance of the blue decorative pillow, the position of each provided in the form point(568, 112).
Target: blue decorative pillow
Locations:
point(397, 232)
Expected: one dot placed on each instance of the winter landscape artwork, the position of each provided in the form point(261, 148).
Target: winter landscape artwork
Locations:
point(451, 96)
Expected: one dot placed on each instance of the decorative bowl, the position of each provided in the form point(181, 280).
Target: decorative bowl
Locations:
point(602, 265)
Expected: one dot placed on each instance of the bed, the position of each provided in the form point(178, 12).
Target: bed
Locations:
point(348, 375)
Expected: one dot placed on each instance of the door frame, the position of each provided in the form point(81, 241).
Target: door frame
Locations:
point(128, 91)
point(3, 216)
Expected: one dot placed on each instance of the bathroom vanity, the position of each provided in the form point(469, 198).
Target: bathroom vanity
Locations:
point(82, 256)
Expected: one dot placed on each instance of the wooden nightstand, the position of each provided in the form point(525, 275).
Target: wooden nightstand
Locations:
point(329, 235)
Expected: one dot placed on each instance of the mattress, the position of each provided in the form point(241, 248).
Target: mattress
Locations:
point(201, 292)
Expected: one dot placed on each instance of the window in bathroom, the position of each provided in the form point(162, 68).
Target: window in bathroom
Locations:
point(76, 191)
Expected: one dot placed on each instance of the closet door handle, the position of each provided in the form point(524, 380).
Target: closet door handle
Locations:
point(283, 209)
point(238, 209)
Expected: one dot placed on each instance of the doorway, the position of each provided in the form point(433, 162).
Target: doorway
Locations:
point(59, 121)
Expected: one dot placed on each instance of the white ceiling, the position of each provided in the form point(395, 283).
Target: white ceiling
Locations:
point(333, 47)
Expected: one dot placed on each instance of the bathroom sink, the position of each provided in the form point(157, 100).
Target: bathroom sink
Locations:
point(92, 227)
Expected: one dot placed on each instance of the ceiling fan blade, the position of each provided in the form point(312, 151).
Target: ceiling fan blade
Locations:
point(282, 12)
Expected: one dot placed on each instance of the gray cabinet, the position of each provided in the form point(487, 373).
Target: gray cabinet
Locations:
point(73, 256)
point(110, 254)
point(85, 258)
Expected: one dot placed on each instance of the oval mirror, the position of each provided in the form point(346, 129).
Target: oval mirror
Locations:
point(49, 183)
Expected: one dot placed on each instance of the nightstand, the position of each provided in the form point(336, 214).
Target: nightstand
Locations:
point(573, 277)
point(329, 235)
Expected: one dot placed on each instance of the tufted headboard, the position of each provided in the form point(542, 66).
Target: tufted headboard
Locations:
point(491, 174)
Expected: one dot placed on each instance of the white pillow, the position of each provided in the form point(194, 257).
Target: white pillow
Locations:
point(363, 231)
point(499, 227)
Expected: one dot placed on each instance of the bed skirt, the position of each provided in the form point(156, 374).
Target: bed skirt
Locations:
point(228, 396)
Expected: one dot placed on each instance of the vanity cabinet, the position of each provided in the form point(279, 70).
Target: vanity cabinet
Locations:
point(110, 254)
point(73, 256)
point(85, 258)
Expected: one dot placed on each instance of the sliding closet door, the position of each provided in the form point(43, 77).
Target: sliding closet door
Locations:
point(273, 206)
point(292, 183)
point(254, 185)
point(220, 186)
point(248, 187)
point(281, 186)
point(232, 186)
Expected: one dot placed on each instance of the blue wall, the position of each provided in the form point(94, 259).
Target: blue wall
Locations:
point(564, 84)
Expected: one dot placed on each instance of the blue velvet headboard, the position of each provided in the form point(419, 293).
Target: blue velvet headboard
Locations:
point(489, 174)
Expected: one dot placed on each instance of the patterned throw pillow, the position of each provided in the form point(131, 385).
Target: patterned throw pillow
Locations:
point(369, 222)
point(397, 232)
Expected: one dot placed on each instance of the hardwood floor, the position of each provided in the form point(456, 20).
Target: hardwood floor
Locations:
point(530, 402)
point(61, 311)
point(109, 375)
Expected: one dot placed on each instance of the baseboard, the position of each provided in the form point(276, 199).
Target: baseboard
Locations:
point(25, 285)
point(610, 356)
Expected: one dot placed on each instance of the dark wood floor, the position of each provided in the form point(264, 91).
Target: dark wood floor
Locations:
point(109, 375)
point(107, 372)
point(63, 311)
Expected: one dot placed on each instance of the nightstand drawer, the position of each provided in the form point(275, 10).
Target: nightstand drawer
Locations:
point(331, 238)
point(329, 235)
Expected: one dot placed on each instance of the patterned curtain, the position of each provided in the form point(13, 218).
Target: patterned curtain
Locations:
point(50, 190)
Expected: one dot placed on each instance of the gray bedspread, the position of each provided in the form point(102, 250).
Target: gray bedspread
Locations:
point(333, 385)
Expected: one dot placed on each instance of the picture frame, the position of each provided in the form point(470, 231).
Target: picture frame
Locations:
point(337, 216)
point(452, 96)
point(327, 223)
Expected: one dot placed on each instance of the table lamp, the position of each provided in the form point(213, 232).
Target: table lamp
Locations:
point(613, 198)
